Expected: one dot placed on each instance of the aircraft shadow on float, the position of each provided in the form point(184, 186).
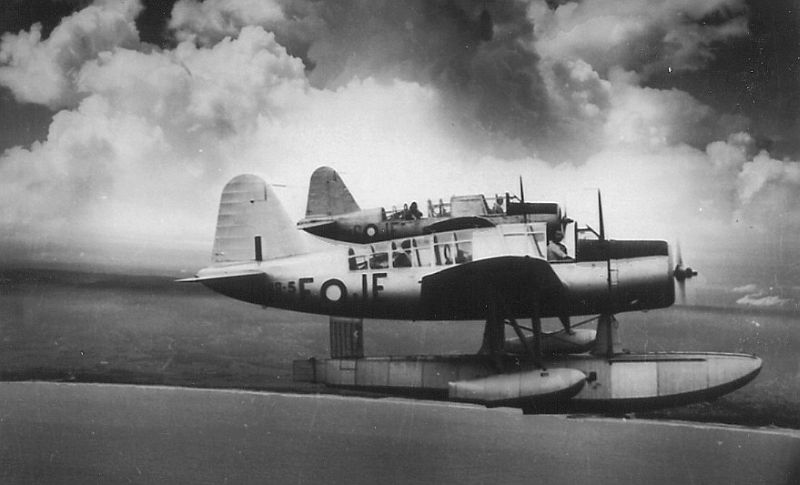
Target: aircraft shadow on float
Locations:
point(496, 272)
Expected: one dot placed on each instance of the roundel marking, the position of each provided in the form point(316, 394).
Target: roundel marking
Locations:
point(333, 290)
point(371, 230)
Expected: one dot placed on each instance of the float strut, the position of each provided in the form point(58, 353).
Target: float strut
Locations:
point(608, 341)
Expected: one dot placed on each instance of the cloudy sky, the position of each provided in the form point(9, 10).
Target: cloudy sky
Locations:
point(122, 120)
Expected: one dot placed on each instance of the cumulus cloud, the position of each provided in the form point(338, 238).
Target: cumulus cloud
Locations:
point(406, 100)
point(638, 36)
point(145, 152)
point(733, 153)
point(196, 89)
point(764, 175)
point(504, 85)
point(748, 288)
point(483, 64)
point(210, 21)
point(43, 71)
point(763, 301)
point(149, 127)
point(771, 297)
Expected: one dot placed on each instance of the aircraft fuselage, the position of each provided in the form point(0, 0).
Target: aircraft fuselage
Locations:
point(330, 283)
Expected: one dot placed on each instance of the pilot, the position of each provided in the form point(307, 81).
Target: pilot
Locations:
point(413, 212)
point(406, 214)
point(498, 205)
point(555, 250)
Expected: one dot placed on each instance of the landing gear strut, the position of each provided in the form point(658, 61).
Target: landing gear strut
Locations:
point(494, 334)
point(608, 342)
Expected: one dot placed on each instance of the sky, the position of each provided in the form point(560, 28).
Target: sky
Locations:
point(122, 120)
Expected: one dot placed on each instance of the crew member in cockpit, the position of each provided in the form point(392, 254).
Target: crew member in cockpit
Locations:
point(555, 250)
point(497, 208)
point(413, 212)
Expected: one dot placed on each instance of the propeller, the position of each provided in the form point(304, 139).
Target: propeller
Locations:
point(682, 273)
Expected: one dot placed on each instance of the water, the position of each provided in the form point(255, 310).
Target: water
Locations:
point(79, 433)
point(144, 329)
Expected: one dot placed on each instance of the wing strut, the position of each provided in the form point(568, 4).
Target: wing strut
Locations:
point(608, 342)
point(536, 326)
point(494, 332)
point(532, 348)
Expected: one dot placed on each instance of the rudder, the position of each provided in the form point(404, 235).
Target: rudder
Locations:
point(328, 195)
point(252, 223)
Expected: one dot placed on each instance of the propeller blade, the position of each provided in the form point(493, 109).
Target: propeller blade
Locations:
point(678, 256)
point(682, 291)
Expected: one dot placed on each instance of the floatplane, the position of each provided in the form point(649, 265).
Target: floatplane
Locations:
point(498, 273)
point(333, 213)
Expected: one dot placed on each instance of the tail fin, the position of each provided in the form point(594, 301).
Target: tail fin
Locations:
point(328, 195)
point(252, 223)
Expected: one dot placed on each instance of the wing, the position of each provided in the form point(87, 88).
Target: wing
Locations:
point(467, 290)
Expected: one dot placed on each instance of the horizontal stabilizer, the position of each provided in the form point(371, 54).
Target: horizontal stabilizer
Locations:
point(219, 276)
point(315, 223)
point(243, 283)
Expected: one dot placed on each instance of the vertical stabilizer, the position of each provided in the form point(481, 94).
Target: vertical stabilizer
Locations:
point(252, 224)
point(328, 195)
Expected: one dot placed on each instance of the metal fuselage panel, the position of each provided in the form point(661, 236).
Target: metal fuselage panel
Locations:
point(368, 226)
point(322, 283)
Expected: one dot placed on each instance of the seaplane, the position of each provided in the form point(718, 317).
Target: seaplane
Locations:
point(499, 274)
point(332, 212)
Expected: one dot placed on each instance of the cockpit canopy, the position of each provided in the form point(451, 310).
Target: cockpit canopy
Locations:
point(451, 248)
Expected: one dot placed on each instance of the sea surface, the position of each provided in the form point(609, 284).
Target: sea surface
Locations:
point(100, 433)
point(76, 326)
